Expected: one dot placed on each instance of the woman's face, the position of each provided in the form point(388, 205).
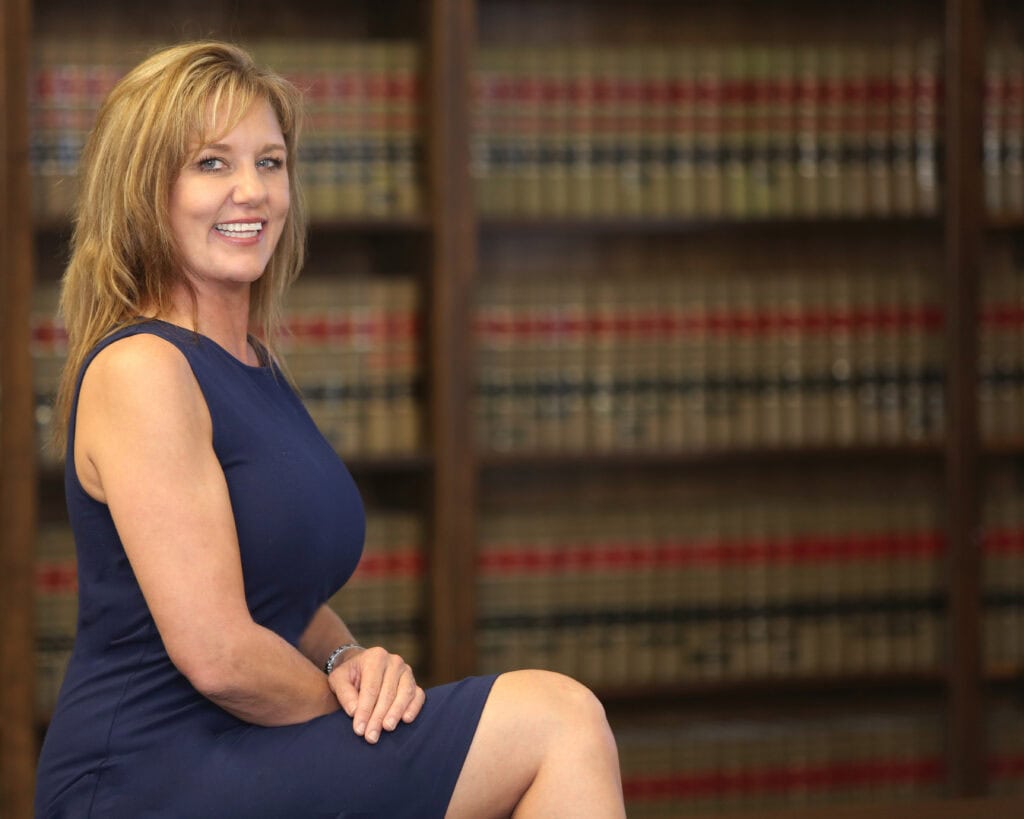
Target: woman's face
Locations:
point(229, 203)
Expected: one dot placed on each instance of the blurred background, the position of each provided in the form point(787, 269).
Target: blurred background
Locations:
point(677, 346)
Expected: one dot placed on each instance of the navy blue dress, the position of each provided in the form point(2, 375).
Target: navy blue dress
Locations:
point(131, 737)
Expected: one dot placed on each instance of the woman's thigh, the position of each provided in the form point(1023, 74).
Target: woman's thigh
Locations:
point(525, 713)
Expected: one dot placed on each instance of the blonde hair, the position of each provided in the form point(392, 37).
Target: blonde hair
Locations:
point(124, 259)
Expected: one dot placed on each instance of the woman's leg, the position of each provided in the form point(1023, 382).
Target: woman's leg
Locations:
point(543, 748)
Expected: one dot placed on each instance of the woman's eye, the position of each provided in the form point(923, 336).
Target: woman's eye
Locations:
point(271, 162)
point(210, 163)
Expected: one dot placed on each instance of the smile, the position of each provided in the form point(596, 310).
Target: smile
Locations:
point(239, 230)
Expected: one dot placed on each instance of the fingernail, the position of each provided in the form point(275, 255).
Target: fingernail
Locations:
point(372, 736)
point(390, 723)
point(360, 727)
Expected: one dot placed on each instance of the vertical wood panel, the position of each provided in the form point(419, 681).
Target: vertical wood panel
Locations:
point(964, 223)
point(18, 490)
point(453, 558)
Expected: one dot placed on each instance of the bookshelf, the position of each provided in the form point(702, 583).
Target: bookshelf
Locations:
point(463, 238)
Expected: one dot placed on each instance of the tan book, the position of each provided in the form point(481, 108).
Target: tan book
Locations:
point(879, 116)
point(855, 78)
point(928, 112)
point(902, 129)
point(735, 143)
point(1013, 139)
point(632, 189)
point(683, 129)
point(783, 85)
point(807, 64)
point(582, 113)
point(405, 130)
point(831, 108)
point(655, 131)
point(709, 123)
point(760, 123)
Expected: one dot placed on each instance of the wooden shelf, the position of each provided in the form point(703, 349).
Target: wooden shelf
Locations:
point(1005, 223)
point(382, 464)
point(707, 458)
point(669, 226)
point(1004, 807)
point(759, 692)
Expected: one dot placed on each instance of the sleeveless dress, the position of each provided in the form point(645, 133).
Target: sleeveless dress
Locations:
point(130, 737)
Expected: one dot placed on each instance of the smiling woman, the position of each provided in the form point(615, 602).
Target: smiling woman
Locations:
point(213, 521)
point(229, 204)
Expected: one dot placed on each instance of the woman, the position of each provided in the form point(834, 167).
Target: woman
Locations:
point(212, 521)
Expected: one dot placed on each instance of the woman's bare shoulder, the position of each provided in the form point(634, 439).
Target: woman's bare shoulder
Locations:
point(141, 373)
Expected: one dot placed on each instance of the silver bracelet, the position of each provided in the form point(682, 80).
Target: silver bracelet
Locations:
point(329, 665)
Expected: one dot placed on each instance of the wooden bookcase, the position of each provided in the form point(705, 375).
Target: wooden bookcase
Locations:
point(452, 240)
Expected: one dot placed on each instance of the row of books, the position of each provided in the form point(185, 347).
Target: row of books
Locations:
point(1001, 343)
point(674, 767)
point(719, 352)
point(362, 150)
point(1005, 736)
point(678, 583)
point(351, 344)
point(749, 130)
point(1002, 547)
point(383, 602)
point(1003, 134)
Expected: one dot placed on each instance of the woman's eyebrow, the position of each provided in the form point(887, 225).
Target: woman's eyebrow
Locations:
point(221, 146)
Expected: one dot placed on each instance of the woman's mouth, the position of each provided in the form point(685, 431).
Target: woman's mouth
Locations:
point(239, 230)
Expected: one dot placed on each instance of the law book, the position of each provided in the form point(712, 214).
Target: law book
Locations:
point(853, 137)
point(405, 140)
point(572, 362)
point(631, 189)
point(683, 132)
point(807, 121)
point(902, 129)
point(655, 130)
point(709, 111)
point(554, 134)
point(1005, 764)
point(736, 101)
point(1013, 139)
point(56, 610)
point(606, 132)
point(866, 354)
point(488, 86)
point(784, 131)
point(928, 112)
point(759, 127)
point(879, 119)
point(526, 120)
point(814, 309)
point(832, 181)
point(582, 121)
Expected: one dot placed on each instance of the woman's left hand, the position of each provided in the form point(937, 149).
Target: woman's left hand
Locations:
point(377, 690)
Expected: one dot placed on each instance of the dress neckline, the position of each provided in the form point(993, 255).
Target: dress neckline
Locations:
point(261, 351)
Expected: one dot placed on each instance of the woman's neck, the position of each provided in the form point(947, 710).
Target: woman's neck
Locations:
point(225, 320)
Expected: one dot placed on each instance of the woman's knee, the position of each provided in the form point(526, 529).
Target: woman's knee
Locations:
point(560, 700)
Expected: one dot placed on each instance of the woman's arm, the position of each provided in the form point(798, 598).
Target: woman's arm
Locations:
point(376, 689)
point(144, 447)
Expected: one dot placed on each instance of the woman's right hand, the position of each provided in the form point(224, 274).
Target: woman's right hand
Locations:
point(377, 689)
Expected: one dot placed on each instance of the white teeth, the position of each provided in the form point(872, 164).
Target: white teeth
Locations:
point(240, 229)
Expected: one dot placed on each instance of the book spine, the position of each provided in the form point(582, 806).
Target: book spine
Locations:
point(927, 119)
point(901, 113)
point(709, 123)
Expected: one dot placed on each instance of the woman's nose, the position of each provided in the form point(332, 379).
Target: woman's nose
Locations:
point(249, 187)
